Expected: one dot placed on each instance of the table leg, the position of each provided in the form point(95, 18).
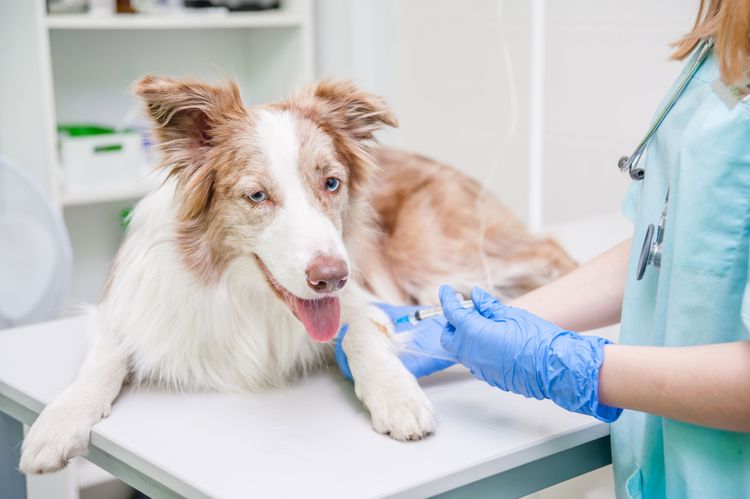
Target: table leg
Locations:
point(12, 481)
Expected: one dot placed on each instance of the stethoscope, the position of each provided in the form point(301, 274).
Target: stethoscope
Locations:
point(651, 250)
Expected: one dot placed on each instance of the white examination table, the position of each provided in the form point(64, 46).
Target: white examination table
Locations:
point(311, 440)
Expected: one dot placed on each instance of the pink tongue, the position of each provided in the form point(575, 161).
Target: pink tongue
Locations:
point(320, 317)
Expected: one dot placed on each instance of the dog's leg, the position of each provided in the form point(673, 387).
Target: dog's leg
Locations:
point(397, 404)
point(61, 431)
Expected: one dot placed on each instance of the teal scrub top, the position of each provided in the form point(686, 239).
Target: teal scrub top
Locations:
point(700, 295)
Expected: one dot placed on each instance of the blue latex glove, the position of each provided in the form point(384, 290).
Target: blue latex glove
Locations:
point(424, 337)
point(514, 350)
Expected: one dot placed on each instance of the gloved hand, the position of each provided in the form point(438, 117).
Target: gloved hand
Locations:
point(515, 350)
point(424, 337)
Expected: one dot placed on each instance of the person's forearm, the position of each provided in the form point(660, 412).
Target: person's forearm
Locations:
point(705, 385)
point(587, 298)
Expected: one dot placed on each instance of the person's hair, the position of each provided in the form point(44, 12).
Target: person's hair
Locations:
point(728, 22)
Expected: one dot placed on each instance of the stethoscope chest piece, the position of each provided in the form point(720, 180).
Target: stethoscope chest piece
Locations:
point(653, 244)
point(650, 253)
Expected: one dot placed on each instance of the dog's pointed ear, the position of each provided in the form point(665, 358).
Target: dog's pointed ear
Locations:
point(189, 117)
point(349, 109)
point(351, 117)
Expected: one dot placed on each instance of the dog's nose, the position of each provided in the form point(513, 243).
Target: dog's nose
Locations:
point(327, 274)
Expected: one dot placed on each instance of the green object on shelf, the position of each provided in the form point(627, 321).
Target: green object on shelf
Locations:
point(84, 130)
point(125, 217)
point(108, 148)
point(87, 130)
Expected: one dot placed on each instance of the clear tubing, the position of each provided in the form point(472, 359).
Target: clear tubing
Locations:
point(430, 355)
point(403, 343)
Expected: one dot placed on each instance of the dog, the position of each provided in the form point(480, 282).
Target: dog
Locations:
point(275, 225)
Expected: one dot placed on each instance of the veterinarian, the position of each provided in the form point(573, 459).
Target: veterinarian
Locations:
point(682, 369)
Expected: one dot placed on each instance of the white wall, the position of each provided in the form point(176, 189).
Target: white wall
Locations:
point(606, 70)
point(441, 67)
point(24, 90)
point(440, 64)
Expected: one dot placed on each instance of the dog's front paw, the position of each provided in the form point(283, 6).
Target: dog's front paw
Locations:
point(57, 436)
point(401, 410)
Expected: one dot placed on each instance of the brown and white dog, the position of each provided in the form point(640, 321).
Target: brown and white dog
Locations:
point(276, 224)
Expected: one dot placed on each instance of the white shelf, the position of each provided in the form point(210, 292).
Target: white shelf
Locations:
point(107, 194)
point(270, 19)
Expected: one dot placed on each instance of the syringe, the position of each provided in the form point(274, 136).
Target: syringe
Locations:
point(426, 313)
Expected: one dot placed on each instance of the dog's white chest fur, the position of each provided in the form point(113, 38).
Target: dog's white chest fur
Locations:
point(232, 335)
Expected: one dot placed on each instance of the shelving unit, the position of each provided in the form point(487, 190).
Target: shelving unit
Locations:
point(83, 65)
point(267, 52)
point(269, 19)
point(106, 195)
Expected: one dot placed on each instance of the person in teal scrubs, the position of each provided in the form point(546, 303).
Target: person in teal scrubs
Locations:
point(682, 368)
point(681, 371)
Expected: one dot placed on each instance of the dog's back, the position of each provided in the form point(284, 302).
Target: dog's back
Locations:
point(439, 226)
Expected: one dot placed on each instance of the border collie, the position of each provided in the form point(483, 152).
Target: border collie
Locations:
point(275, 225)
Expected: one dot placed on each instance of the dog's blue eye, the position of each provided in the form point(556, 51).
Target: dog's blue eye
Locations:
point(257, 197)
point(332, 184)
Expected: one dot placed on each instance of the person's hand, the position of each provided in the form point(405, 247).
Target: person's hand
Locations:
point(422, 343)
point(515, 350)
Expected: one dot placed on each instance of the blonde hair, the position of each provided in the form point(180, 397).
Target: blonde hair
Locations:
point(728, 22)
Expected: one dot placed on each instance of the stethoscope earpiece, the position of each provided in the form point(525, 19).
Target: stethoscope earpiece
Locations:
point(625, 164)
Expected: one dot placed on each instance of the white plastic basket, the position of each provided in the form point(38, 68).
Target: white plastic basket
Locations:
point(110, 160)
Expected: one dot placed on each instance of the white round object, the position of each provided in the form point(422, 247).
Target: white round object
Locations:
point(35, 253)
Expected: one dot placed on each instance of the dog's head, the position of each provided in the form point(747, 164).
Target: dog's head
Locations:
point(279, 184)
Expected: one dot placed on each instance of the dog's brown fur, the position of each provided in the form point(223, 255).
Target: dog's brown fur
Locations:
point(432, 232)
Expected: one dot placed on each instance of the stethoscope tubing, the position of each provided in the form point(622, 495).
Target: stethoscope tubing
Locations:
point(653, 242)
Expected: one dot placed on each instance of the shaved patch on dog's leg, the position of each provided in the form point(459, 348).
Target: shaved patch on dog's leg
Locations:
point(381, 327)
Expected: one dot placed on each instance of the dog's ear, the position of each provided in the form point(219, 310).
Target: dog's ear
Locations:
point(346, 108)
point(189, 117)
point(351, 117)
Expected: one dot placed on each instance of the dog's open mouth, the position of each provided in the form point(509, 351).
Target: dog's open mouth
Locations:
point(321, 317)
